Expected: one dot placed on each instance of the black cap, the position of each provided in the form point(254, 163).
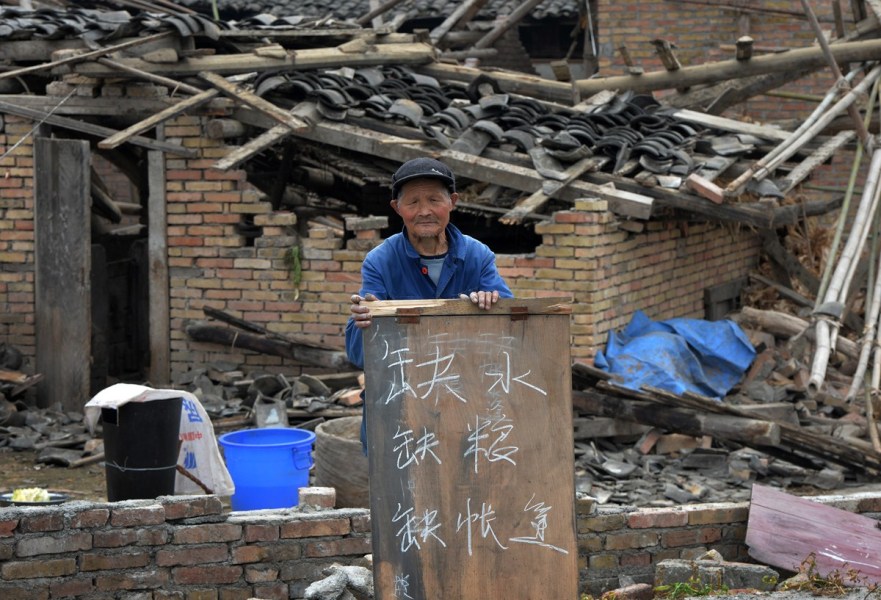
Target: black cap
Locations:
point(420, 168)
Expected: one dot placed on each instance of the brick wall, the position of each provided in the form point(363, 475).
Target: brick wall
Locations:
point(172, 548)
point(189, 547)
point(611, 272)
point(17, 235)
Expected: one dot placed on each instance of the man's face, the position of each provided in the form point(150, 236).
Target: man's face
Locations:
point(425, 206)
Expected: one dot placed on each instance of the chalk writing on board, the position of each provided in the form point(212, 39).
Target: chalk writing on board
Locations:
point(440, 367)
point(485, 518)
point(503, 376)
point(399, 384)
point(416, 529)
point(402, 586)
point(486, 440)
point(539, 525)
point(407, 455)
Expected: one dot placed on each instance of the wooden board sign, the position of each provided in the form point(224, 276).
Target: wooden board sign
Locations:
point(470, 450)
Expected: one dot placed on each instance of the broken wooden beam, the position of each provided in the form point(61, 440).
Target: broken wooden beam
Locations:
point(92, 129)
point(786, 325)
point(750, 431)
point(548, 189)
point(800, 59)
point(87, 55)
point(509, 82)
point(251, 99)
point(231, 338)
point(307, 112)
point(120, 137)
point(310, 58)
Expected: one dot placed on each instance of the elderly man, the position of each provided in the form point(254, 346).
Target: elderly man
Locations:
point(430, 258)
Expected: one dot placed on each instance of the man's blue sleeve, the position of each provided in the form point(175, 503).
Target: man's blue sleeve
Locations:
point(371, 283)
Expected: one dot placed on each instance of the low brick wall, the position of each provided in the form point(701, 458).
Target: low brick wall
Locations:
point(191, 548)
point(172, 548)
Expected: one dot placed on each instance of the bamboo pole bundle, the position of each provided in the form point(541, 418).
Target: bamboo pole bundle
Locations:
point(812, 126)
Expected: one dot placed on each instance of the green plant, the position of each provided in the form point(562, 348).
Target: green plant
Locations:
point(834, 583)
point(292, 262)
point(685, 589)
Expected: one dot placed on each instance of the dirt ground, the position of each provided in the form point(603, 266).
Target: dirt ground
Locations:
point(20, 469)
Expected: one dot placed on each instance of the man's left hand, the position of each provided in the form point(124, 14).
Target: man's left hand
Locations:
point(484, 300)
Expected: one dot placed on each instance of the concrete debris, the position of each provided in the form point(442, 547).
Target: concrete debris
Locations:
point(716, 574)
point(342, 583)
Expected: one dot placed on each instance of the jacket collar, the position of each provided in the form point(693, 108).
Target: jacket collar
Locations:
point(456, 248)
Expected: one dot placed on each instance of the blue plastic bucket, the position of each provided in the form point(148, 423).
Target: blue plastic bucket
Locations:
point(268, 466)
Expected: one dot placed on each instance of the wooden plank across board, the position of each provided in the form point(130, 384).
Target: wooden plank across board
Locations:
point(784, 530)
point(469, 427)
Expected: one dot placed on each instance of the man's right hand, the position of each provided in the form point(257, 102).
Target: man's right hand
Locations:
point(361, 313)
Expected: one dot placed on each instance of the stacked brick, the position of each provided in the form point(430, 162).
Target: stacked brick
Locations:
point(17, 234)
point(173, 548)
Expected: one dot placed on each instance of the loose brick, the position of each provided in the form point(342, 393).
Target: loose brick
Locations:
point(58, 567)
point(321, 497)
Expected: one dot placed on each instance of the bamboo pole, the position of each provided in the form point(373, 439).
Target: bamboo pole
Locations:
point(861, 129)
point(826, 328)
point(764, 167)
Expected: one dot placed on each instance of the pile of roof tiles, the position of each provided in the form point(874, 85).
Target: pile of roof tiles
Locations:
point(631, 131)
point(353, 9)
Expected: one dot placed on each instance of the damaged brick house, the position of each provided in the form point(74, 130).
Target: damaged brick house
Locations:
point(260, 202)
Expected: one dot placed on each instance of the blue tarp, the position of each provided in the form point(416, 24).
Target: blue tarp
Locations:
point(678, 355)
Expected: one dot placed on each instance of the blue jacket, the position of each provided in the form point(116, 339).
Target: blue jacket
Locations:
point(392, 271)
